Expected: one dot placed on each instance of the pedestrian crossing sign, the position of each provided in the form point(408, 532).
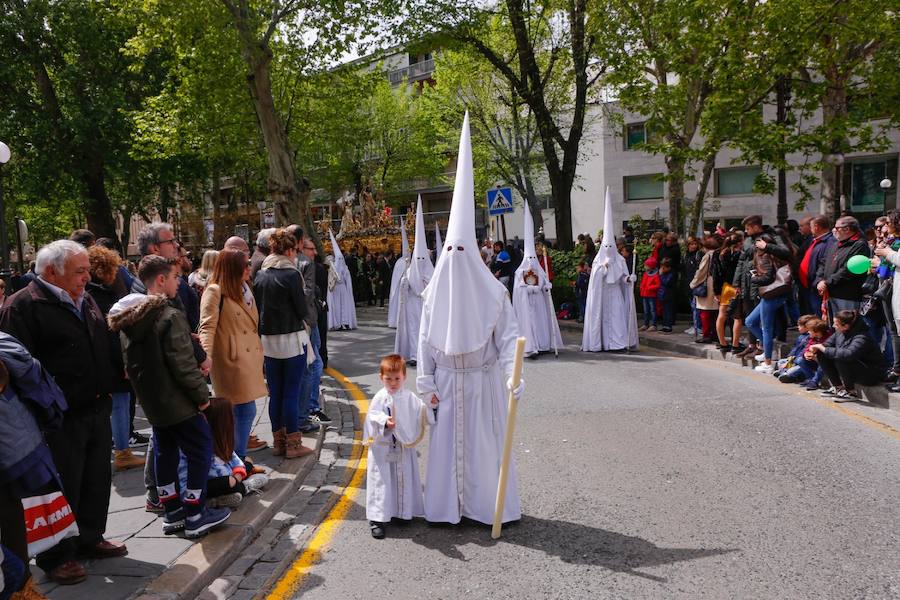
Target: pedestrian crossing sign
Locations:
point(499, 201)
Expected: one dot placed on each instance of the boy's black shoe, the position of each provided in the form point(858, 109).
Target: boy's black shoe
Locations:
point(319, 416)
point(136, 440)
point(377, 530)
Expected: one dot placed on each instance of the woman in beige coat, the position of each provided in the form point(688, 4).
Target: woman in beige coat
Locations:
point(228, 333)
point(708, 304)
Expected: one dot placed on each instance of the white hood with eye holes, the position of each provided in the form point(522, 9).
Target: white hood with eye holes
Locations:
point(464, 300)
point(420, 267)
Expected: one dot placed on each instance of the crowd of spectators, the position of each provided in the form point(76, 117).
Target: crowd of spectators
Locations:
point(89, 333)
point(747, 288)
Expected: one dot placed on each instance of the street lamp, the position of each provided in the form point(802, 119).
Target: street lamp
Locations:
point(885, 184)
point(4, 244)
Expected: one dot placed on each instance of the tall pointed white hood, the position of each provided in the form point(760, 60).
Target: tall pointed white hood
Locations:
point(404, 241)
point(339, 261)
point(608, 253)
point(530, 260)
point(464, 300)
point(420, 267)
point(438, 243)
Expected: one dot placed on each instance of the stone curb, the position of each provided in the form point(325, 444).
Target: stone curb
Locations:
point(876, 395)
point(203, 562)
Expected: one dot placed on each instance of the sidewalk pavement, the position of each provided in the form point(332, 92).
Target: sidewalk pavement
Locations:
point(172, 566)
point(682, 343)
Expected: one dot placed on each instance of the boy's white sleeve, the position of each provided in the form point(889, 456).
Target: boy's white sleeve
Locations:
point(376, 417)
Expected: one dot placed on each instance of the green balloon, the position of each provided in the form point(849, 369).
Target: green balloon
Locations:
point(858, 264)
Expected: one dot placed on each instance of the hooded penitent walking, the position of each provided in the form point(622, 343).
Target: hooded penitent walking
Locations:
point(610, 321)
point(341, 308)
point(438, 243)
point(532, 301)
point(466, 353)
point(399, 269)
point(409, 293)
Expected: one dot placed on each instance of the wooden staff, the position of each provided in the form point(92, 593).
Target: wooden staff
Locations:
point(507, 442)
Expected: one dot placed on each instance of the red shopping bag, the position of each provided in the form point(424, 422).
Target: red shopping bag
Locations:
point(48, 520)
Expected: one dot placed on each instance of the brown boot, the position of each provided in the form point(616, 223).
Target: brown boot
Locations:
point(126, 460)
point(278, 444)
point(294, 447)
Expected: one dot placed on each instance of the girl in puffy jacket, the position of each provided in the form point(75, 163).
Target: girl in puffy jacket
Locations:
point(649, 288)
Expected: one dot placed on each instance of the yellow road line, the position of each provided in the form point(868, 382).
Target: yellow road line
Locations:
point(293, 578)
point(771, 382)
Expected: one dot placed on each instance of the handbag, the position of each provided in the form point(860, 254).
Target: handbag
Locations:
point(700, 291)
point(779, 287)
point(48, 521)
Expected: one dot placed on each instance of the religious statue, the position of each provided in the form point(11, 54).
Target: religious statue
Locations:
point(348, 222)
point(367, 202)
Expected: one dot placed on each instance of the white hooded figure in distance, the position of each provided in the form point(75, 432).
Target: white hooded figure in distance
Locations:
point(438, 243)
point(467, 344)
point(532, 301)
point(399, 269)
point(610, 321)
point(409, 293)
point(341, 307)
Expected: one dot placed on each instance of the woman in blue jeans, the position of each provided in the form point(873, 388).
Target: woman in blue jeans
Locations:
point(761, 321)
point(282, 309)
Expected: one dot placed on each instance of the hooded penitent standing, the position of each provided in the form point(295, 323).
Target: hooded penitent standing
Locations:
point(610, 321)
point(341, 308)
point(467, 345)
point(438, 243)
point(532, 301)
point(399, 269)
point(409, 293)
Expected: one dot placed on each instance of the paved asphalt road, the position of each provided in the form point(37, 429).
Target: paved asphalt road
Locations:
point(648, 476)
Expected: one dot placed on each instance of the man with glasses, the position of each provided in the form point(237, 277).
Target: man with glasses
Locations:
point(310, 387)
point(833, 278)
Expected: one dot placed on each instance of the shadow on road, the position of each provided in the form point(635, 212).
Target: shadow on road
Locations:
point(571, 542)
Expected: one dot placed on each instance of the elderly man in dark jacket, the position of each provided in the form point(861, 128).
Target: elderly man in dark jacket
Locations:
point(844, 288)
point(64, 329)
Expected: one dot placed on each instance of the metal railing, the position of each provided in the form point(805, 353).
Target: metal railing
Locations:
point(414, 72)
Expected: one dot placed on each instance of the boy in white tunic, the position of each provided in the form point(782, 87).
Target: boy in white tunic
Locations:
point(395, 424)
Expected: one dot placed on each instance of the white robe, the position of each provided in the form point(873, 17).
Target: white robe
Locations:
point(393, 489)
point(466, 443)
point(610, 321)
point(393, 299)
point(406, 339)
point(341, 307)
point(534, 312)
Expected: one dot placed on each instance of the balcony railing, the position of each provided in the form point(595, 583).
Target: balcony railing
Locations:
point(414, 72)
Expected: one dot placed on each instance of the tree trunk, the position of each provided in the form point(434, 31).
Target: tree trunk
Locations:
point(834, 108)
point(782, 90)
point(675, 184)
point(700, 198)
point(98, 209)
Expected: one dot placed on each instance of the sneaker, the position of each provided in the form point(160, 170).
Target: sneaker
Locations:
point(642, 328)
point(690, 330)
point(846, 396)
point(136, 440)
point(174, 521)
point(759, 357)
point(377, 530)
point(255, 483)
point(254, 444)
point(199, 525)
point(309, 427)
point(811, 386)
point(666, 330)
point(829, 393)
point(232, 500)
point(786, 378)
point(764, 368)
point(154, 507)
point(651, 328)
point(319, 416)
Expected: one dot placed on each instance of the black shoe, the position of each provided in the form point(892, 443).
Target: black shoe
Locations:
point(890, 376)
point(738, 349)
point(725, 349)
point(136, 440)
point(703, 340)
point(411, 363)
point(785, 378)
point(319, 416)
point(893, 388)
point(377, 530)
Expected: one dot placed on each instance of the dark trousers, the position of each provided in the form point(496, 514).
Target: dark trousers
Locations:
point(323, 337)
point(194, 439)
point(80, 450)
point(848, 373)
point(219, 486)
point(12, 523)
point(668, 313)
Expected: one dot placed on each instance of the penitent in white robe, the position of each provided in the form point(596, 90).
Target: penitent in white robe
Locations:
point(466, 443)
point(393, 299)
point(610, 321)
point(393, 488)
point(341, 307)
point(409, 314)
point(534, 312)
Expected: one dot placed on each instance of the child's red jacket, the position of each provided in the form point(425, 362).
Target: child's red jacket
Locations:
point(650, 284)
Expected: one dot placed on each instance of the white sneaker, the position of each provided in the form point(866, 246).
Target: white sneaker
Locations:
point(254, 483)
point(764, 368)
point(759, 357)
point(690, 331)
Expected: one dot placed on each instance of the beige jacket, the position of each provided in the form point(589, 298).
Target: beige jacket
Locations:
point(704, 273)
point(231, 340)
